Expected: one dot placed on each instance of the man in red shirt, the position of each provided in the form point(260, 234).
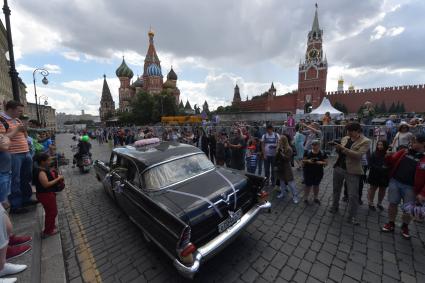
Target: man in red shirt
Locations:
point(407, 182)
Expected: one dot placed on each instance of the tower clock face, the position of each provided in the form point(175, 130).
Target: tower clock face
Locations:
point(313, 53)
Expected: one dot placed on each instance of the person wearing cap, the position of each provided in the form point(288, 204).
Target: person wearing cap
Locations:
point(348, 168)
point(314, 160)
point(407, 182)
point(403, 138)
point(269, 143)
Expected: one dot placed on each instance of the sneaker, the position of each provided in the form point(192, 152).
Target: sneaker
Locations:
point(281, 195)
point(306, 202)
point(389, 227)
point(295, 200)
point(20, 210)
point(8, 280)
point(16, 251)
point(372, 207)
point(333, 210)
point(380, 207)
point(19, 240)
point(405, 232)
point(10, 268)
point(317, 201)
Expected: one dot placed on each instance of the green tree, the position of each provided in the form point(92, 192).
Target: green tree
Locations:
point(164, 104)
point(141, 110)
point(383, 108)
point(341, 107)
point(397, 107)
point(392, 108)
point(402, 108)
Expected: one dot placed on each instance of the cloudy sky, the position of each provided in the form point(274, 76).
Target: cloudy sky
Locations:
point(213, 44)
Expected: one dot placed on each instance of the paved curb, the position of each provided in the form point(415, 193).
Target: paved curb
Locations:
point(51, 260)
point(36, 246)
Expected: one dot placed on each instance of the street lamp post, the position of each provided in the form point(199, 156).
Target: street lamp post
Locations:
point(43, 109)
point(44, 73)
point(12, 71)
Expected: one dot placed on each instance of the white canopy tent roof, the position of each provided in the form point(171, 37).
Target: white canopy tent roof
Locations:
point(324, 107)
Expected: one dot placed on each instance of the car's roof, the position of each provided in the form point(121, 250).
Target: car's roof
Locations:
point(151, 155)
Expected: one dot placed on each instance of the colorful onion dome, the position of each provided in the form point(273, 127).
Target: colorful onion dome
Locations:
point(124, 71)
point(154, 70)
point(138, 82)
point(172, 75)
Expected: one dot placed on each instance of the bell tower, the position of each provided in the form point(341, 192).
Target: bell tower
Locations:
point(313, 70)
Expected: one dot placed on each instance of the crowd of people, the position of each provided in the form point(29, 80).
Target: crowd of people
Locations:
point(389, 159)
point(26, 160)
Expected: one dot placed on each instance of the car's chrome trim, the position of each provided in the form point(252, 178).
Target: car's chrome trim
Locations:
point(218, 243)
point(169, 160)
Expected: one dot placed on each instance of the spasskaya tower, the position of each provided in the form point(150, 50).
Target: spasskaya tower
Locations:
point(312, 71)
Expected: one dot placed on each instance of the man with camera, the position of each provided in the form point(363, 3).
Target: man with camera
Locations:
point(348, 168)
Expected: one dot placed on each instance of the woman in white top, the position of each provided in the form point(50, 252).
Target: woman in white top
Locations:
point(403, 138)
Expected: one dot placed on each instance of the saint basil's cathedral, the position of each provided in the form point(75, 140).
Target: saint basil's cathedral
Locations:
point(312, 76)
point(150, 82)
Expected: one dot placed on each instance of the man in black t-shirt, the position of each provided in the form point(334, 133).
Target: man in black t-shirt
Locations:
point(236, 145)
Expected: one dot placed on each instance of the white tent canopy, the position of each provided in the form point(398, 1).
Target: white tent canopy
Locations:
point(324, 107)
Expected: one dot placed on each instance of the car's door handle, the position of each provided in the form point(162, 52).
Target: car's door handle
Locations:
point(118, 187)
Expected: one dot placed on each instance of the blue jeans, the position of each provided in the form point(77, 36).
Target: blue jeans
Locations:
point(260, 165)
point(269, 166)
point(21, 190)
point(5, 178)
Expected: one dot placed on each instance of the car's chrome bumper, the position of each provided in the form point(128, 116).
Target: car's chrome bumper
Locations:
point(218, 243)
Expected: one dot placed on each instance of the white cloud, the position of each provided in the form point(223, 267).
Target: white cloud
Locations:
point(381, 31)
point(52, 68)
point(24, 68)
point(71, 55)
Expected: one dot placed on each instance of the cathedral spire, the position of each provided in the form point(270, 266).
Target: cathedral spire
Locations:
point(236, 95)
point(315, 26)
point(106, 92)
point(151, 56)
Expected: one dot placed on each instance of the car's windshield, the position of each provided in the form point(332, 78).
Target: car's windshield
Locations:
point(175, 171)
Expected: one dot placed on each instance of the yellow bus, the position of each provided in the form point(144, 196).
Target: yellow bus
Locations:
point(181, 119)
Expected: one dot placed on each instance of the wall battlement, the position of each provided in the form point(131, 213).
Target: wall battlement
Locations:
point(380, 90)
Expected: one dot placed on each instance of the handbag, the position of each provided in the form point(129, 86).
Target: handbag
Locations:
point(60, 186)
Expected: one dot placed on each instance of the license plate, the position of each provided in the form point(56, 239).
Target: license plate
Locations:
point(223, 226)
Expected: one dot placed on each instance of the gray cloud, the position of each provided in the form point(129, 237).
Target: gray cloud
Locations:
point(236, 31)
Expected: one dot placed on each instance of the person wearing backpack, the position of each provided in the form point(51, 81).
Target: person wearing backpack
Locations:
point(269, 143)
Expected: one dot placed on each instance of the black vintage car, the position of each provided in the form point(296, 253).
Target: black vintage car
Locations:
point(182, 202)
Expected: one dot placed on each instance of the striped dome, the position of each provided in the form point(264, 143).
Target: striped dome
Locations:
point(154, 70)
point(124, 71)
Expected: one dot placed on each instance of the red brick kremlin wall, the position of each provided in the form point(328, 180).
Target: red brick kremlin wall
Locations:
point(413, 97)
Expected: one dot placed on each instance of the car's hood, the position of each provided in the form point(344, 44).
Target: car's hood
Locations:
point(199, 196)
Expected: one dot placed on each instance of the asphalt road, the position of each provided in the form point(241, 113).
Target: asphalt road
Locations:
point(295, 243)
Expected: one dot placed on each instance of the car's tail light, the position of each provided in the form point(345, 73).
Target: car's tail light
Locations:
point(188, 250)
point(185, 248)
point(262, 196)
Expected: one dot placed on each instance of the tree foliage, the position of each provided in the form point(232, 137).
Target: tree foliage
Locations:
point(341, 107)
point(147, 109)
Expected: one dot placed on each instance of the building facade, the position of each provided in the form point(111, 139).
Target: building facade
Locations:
point(47, 115)
point(107, 104)
point(62, 118)
point(150, 82)
point(312, 76)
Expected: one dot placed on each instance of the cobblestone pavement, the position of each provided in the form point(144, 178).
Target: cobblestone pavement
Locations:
point(295, 243)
